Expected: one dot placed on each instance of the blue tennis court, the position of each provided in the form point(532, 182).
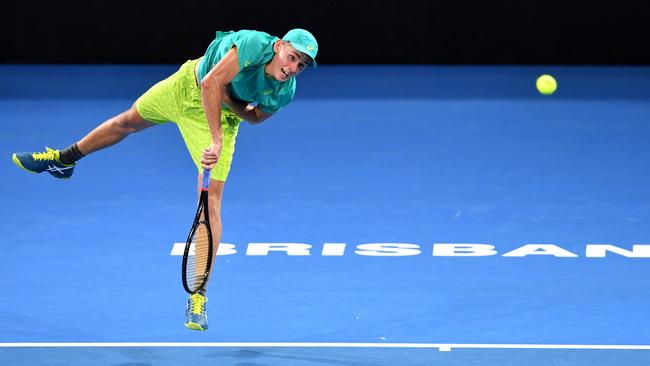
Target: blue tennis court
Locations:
point(388, 216)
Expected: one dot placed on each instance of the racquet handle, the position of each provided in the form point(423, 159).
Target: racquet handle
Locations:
point(206, 179)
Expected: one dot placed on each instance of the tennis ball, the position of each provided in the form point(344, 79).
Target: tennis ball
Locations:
point(546, 84)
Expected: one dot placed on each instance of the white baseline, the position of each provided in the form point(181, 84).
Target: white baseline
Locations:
point(441, 346)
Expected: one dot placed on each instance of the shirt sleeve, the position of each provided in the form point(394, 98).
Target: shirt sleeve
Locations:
point(250, 49)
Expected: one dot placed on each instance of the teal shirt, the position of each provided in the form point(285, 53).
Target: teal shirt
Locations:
point(251, 84)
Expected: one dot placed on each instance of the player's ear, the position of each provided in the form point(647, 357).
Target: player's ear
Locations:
point(277, 45)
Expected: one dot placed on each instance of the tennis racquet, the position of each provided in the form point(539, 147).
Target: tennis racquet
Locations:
point(197, 258)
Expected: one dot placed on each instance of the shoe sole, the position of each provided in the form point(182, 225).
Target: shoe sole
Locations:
point(194, 326)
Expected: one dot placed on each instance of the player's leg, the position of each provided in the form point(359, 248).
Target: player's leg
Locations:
point(60, 163)
point(197, 137)
point(215, 194)
point(113, 131)
point(197, 317)
point(196, 134)
point(157, 105)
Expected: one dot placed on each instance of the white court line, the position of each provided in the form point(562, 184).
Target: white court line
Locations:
point(441, 346)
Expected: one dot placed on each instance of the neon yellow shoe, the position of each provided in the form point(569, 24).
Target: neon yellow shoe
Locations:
point(39, 162)
point(197, 318)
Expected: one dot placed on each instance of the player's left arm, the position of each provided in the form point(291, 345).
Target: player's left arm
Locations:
point(251, 115)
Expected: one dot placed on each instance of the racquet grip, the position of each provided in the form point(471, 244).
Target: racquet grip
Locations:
point(206, 179)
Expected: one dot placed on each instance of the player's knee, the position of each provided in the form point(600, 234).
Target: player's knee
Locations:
point(130, 121)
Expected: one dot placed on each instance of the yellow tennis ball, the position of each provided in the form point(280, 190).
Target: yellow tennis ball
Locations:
point(546, 84)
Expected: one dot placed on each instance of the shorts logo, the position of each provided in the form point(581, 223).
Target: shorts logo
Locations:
point(268, 91)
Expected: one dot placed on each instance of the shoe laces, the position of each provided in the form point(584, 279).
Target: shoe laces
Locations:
point(49, 154)
point(198, 303)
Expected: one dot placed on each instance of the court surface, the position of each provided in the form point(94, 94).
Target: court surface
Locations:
point(388, 216)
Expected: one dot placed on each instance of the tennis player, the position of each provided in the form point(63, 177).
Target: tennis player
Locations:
point(244, 75)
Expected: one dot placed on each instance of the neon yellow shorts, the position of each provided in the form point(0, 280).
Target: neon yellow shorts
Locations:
point(177, 99)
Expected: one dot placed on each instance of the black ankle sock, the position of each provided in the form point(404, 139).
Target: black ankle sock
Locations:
point(70, 154)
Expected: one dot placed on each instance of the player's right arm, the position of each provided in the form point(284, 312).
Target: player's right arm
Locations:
point(213, 92)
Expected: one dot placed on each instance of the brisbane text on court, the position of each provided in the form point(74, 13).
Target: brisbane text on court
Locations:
point(436, 250)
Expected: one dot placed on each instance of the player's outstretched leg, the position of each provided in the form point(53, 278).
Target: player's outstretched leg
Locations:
point(48, 160)
point(60, 163)
point(197, 318)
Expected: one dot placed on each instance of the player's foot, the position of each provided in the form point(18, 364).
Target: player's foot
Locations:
point(39, 162)
point(197, 318)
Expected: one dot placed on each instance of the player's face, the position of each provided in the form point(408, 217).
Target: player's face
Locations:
point(287, 62)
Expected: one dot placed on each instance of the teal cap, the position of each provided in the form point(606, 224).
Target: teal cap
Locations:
point(304, 42)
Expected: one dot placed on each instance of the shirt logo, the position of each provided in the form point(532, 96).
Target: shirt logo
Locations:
point(268, 91)
point(247, 63)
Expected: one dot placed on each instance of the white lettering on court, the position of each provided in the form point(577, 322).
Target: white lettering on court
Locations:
point(223, 249)
point(438, 250)
point(387, 249)
point(540, 249)
point(333, 249)
point(463, 250)
point(292, 249)
point(600, 251)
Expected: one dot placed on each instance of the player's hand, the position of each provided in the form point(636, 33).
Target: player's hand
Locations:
point(211, 155)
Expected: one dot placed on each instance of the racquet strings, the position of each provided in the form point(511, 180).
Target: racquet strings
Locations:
point(198, 264)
